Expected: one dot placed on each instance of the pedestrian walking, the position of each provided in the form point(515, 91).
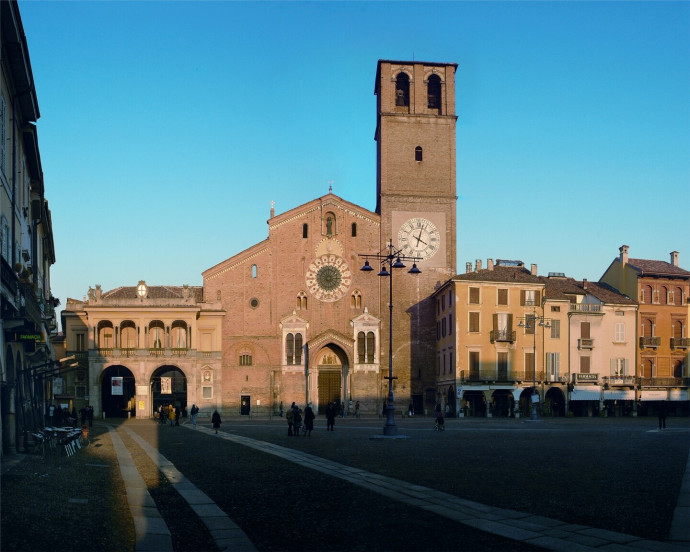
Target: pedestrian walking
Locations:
point(171, 415)
point(177, 415)
point(662, 415)
point(342, 409)
point(289, 417)
point(89, 415)
point(357, 409)
point(296, 420)
point(215, 420)
point(330, 416)
point(308, 419)
point(194, 411)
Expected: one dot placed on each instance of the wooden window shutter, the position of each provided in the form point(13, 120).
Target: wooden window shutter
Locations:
point(584, 365)
point(584, 330)
point(522, 297)
point(510, 322)
point(495, 321)
point(537, 297)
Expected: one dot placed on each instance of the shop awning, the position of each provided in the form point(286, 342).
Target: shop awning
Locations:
point(678, 395)
point(658, 395)
point(619, 395)
point(586, 394)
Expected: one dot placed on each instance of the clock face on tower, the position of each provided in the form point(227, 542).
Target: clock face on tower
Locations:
point(328, 277)
point(419, 237)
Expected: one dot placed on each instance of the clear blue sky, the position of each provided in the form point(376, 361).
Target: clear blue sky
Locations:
point(167, 128)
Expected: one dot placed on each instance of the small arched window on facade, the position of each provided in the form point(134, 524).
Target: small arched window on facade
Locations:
point(402, 90)
point(646, 294)
point(255, 271)
point(663, 295)
point(678, 296)
point(418, 153)
point(179, 335)
point(354, 229)
point(301, 301)
point(356, 300)
point(434, 92)
point(305, 230)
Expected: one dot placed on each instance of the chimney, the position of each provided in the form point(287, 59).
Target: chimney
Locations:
point(478, 266)
point(624, 254)
point(468, 267)
point(534, 269)
point(674, 258)
point(489, 264)
point(584, 283)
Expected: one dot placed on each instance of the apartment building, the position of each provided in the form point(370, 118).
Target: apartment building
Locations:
point(661, 288)
point(599, 343)
point(27, 252)
point(512, 343)
point(490, 340)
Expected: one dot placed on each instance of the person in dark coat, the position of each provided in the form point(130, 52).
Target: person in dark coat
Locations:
point(662, 415)
point(215, 420)
point(330, 416)
point(296, 420)
point(308, 419)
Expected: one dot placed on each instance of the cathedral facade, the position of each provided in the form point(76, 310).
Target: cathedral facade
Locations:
point(303, 323)
point(293, 318)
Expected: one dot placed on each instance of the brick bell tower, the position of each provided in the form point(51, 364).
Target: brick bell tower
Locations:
point(416, 198)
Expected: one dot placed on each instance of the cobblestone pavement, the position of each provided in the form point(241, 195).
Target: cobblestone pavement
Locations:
point(483, 484)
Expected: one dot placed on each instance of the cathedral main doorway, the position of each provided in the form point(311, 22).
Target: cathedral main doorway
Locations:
point(332, 366)
point(329, 388)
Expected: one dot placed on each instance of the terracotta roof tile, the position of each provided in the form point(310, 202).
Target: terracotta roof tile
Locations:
point(154, 292)
point(508, 274)
point(657, 268)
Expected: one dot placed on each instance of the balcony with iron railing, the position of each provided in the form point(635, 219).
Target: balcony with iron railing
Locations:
point(680, 342)
point(588, 308)
point(650, 342)
point(585, 343)
point(620, 380)
point(500, 376)
point(664, 382)
point(506, 336)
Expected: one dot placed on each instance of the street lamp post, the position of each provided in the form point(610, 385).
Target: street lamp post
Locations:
point(542, 323)
point(392, 258)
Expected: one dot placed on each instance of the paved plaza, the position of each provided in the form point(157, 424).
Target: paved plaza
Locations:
point(483, 484)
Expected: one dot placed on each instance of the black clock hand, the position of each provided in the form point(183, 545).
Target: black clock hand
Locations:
point(419, 239)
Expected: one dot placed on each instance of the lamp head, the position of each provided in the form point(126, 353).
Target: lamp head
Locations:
point(367, 267)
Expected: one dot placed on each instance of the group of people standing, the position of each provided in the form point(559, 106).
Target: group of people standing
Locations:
point(294, 420)
point(169, 413)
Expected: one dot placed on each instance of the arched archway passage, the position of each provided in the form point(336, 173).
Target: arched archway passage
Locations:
point(168, 386)
point(118, 394)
